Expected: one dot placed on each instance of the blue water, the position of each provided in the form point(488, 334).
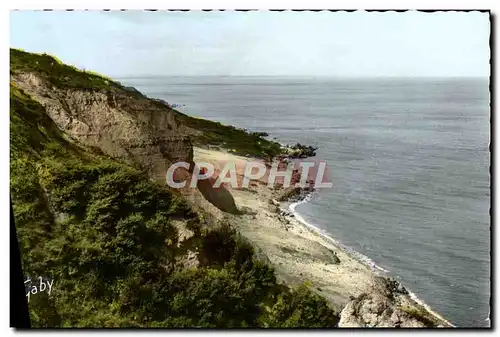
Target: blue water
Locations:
point(410, 162)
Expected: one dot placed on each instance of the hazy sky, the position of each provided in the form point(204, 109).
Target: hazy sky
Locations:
point(260, 43)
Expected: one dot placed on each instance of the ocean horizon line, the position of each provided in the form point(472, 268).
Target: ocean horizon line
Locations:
point(130, 76)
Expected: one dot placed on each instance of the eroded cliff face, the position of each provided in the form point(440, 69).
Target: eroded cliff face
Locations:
point(124, 125)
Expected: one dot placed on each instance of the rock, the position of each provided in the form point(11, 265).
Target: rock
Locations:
point(395, 318)
point(381, 308)
point(260, 134)
point(159, 100)
point(349, 318)
point(368, 310)
point(335, 259)
point(289, 193)
point(132, 89)
point(285, 213)
point(300, 151)
point(393, 286)
point(401, 289)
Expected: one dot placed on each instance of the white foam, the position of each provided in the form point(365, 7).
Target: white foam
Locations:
point(358, 256)
point(427, 307)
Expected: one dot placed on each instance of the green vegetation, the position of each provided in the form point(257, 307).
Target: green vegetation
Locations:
point(57, 73)
point(300, 308)
point(104, 233)
point(421, 315)
point(238, 141)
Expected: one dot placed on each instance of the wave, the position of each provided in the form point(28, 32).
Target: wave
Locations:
point(414, 297)
point(358, 256)
point(351, 252)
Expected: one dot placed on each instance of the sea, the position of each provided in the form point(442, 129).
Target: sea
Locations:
point(410, 162)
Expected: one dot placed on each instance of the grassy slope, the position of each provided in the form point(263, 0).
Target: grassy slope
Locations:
point(57, 73)
point(236, 140)
point(103, 232)
point(60, 75)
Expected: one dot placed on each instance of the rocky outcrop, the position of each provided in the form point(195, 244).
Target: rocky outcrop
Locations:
point(133, 129)
point(388, 304)
point(260, 134)
point(161, 101)
point(299, 151)
point(289, 194)
point(292, 193)
point(133, 90)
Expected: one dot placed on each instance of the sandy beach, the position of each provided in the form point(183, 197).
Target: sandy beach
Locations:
point(299, 253)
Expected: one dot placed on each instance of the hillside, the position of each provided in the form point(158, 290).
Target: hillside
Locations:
point(90, 107)
point(123, 250)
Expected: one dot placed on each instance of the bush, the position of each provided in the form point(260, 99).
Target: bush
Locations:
point(300, 308)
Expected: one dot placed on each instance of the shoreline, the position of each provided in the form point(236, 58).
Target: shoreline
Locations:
point(303, 253)
point(355, 254)
point(379, 271)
